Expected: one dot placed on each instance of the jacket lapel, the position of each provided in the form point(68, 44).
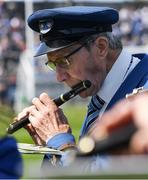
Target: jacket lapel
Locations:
point(132, 80)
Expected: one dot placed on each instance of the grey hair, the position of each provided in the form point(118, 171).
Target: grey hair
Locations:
point(114, 41)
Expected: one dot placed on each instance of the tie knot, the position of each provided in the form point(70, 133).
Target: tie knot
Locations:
point(97, 102)
point(94, 108)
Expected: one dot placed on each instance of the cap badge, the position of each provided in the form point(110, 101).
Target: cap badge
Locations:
point(45, 26)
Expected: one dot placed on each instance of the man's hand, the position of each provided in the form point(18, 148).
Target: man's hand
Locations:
point(47, 120)
point(125, 111)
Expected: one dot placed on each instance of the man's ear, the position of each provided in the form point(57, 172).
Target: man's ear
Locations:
point(102, 45)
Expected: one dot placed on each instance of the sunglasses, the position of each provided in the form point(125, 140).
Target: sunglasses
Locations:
point(63, 62)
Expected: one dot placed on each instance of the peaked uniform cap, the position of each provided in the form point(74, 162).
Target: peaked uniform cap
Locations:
point(65, 25)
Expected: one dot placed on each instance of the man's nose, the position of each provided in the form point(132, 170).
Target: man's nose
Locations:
point(61, 74)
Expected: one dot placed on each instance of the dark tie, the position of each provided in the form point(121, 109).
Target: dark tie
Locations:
point(94, 108)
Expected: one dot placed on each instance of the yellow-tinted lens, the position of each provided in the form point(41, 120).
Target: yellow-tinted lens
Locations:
point(63, 63)
point(51, 66)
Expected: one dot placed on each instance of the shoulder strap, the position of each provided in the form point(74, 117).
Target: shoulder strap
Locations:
point(132, 79)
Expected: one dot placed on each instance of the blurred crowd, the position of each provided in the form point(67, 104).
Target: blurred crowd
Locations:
point(12, 43)
point(132, 28)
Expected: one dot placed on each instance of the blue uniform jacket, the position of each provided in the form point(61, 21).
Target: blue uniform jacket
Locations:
point(137, 78)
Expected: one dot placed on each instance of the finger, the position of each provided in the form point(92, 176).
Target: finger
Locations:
point(56, 113)
point(39, 105)
point(55, 119)
point(44, 119)
point(51, 108)
point(43, 125)
point(45, 99)
point(118, 116)
point(139, 142)
point(45, 112)
point(140, 114)
point(44, 131)
point(34, 112)
point(24, 113)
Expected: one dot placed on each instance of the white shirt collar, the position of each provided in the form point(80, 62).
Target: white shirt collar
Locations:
point(116, 76)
